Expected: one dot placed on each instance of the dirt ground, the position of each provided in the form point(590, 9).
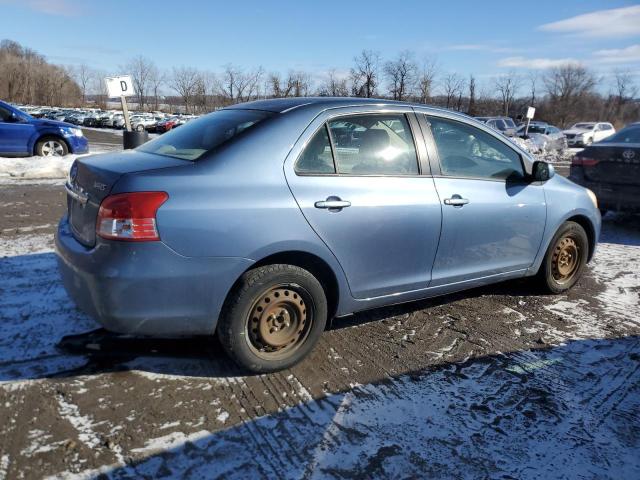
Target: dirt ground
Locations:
point(499, 382)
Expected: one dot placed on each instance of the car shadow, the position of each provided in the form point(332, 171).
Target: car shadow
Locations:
point(563, 412)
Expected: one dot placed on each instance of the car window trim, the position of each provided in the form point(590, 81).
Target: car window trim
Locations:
point(412, 129)
point(436, 154)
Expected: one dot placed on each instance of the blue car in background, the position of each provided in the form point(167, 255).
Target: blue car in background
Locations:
point(21, 135)
point(262, 221)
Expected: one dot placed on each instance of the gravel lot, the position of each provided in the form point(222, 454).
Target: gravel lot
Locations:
point(499, 382)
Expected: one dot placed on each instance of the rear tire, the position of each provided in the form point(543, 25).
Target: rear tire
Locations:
point(565, 258)
point(51, 147)
point(273, 318)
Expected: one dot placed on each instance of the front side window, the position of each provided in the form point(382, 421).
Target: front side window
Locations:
point(374, 144)
point(5, 115)
point(194, 139)
point(466, 151)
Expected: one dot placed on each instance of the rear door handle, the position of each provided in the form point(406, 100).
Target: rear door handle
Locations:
point(456, 201)
point(333, 203)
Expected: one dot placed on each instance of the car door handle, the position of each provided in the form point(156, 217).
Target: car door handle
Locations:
point(456, 201)
point(332, 203)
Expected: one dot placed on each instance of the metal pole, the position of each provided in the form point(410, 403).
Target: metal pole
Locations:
point(125, 111)
point(526, 129)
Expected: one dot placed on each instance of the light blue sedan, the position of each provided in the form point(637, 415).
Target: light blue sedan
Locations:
point(262, 221)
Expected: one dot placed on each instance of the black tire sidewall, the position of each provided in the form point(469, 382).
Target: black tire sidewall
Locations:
point(579, 233)
point(232, 327)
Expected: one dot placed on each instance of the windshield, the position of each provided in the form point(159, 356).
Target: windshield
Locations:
point(584, 126)
point(626, 135)
point(197, 137)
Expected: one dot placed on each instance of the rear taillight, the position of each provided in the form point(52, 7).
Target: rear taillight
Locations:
point(583, 161)
point(130, 216)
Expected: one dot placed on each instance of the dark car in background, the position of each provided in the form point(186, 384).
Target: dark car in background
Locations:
point(21, 135)
point(611, 169)
point(504, 125)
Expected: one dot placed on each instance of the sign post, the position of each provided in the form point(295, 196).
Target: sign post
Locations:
point(531, 111)
point(122, 87)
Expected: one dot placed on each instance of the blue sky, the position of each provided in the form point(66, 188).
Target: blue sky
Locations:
point(485, 38)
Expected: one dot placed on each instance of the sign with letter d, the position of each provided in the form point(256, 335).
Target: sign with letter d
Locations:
point(121, 86)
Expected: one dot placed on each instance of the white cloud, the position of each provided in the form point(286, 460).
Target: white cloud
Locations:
point(630, 54)
point(534, 63)
point(616, 22)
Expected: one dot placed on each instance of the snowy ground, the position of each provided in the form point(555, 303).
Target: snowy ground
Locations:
point(492, 383)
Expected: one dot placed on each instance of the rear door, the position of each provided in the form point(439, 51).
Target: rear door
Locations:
point(357, 175)
point(492, 219)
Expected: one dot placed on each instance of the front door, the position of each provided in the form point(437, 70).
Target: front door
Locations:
point(358, 183)
point(492, 218)
point(14, 134)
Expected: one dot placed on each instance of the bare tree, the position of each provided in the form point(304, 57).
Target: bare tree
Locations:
point(184, 81)
point(452, 85)
point(140, 69)
point(157, 79)
point(568, 88)
point(472, 96)
point(82, 74)
point(507, 87)
point(426, 80)
point(334, 86)
point(364, 74)
point(236, 85)
point(401, 75)
point(533, 79)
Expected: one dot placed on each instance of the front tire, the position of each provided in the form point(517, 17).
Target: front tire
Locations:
point(273, 318)
point(51, 147)
point(565, 258)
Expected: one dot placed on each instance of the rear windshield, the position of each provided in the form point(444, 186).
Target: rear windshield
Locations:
point(195, 138)
point(626, 135)
point(584, 126)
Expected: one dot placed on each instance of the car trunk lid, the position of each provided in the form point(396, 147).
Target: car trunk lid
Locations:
point(91, 179)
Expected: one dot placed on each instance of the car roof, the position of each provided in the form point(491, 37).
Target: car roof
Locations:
point(283, 105)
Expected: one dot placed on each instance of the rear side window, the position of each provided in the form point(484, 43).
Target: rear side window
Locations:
point(376, 144)
point(195, 138)
point(316, 158)
point(466, 151)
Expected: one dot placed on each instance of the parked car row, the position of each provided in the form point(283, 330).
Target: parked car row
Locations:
point(543, 137)
point(140, 121)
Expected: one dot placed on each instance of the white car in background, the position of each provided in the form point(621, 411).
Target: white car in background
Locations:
point(585, 133)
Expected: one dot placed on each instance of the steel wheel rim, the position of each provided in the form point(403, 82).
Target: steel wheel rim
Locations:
point(279, 322)
point(566, 259)
point(51, 148)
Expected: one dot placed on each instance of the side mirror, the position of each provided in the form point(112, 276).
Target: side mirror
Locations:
point(542, 171)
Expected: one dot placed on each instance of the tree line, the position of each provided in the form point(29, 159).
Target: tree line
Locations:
point(562, 95)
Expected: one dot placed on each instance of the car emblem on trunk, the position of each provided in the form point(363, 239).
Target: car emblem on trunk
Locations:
point(628, 154)
point(100, 186)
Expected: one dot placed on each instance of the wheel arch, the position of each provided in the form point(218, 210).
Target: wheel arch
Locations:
point(44, 135)
point(314, 264)
point(590, 230)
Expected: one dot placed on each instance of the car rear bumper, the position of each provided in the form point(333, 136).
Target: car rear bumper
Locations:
point(623, 198)
point(145, 288)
